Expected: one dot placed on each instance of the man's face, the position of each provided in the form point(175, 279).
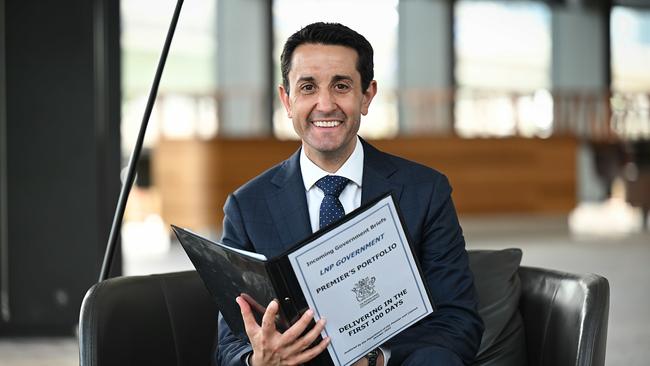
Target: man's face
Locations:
point(326, 100)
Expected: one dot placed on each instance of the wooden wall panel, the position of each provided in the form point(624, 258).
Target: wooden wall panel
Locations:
point(511, 175)
point(194, 178)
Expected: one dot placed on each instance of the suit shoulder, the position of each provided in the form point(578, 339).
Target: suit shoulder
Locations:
point(257, 185)
point(415, 172)
point(404, 168)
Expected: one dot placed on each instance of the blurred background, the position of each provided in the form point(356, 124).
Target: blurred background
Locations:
point(537, 111)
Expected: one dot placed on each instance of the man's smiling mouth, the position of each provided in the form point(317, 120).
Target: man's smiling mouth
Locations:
point(326, 123)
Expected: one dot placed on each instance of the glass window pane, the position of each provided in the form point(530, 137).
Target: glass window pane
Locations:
point(503, 55)
point(630, 37)
point(630, 42)
point(186, 105)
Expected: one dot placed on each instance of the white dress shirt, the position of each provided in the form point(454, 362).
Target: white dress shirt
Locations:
point(350, 197)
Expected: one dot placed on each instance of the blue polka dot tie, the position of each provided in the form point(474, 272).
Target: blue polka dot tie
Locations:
point(331, 208)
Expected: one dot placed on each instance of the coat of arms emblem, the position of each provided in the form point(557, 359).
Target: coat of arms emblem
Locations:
point(365, 291)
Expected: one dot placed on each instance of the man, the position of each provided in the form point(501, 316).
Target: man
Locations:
point(327, 72)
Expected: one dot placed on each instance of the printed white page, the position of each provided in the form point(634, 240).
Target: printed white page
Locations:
point(363, 279)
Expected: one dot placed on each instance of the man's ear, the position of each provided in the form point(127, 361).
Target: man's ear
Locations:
point(284, 98)
point(367, 97)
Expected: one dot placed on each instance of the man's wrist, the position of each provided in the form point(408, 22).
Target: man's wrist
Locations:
point(372, 357)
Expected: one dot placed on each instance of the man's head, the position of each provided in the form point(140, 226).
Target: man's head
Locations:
point(326, 89)
point(330, 34)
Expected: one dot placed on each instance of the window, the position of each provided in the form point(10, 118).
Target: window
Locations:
point(630, 42)
point(186, 106)
point(503, 56)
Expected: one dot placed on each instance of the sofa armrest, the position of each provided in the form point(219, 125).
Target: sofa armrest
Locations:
point(164, 319)
point(565, 317)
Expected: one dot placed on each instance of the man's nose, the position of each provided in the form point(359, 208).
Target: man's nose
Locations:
point(326, 102)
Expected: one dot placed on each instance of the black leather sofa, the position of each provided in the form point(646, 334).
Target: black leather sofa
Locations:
point(553, 318)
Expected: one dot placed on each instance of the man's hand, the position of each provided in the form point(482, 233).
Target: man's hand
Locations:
point(271, 347)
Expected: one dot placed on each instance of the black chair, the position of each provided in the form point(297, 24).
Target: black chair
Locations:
point(169, 319)
point(164, 319)
point(565, 317)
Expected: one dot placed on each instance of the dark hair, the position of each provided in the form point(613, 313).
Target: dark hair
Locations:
point(330, 34)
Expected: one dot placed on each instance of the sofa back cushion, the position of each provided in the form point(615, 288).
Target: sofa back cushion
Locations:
point(499, 289)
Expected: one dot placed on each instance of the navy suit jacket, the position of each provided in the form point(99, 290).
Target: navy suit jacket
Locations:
point(424, 197)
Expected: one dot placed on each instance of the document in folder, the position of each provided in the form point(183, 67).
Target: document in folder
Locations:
point(360, 274)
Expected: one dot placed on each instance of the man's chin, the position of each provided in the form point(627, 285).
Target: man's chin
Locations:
point(327, 150)
point(333, 151)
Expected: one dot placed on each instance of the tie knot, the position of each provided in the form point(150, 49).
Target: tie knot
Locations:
point(332, 184)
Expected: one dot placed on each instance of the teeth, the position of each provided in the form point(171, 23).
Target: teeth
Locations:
point(326, 123)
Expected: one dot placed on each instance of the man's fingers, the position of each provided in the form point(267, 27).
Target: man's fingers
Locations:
point(268, 320)
point(315, 331)
point(316, 350)
point(255, 306)
point(298, 327)
point(249, 320)
point(305, 341)
point(310, 353)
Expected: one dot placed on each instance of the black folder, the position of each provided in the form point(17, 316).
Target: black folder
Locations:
point(229, 272)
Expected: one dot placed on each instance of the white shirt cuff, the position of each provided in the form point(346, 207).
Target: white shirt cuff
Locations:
point(386, 352)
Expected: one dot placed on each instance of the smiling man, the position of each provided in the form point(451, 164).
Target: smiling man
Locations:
point(325, 98)
point(327, 72)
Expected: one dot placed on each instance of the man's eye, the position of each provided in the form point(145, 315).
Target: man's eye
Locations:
point(307, 88)
point(341, 87)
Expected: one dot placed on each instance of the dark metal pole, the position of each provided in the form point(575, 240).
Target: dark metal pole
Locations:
point(130, 175)
point(5, 314)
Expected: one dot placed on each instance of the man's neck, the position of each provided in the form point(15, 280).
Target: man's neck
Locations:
point(329, 162)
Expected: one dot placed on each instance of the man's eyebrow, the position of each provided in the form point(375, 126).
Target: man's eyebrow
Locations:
point(336, 78)
point(305, 78)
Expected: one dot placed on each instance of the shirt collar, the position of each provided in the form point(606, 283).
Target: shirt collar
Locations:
point(351, 169)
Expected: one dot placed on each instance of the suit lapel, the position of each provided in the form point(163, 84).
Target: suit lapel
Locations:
point(288, 203)
point(377, 171)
